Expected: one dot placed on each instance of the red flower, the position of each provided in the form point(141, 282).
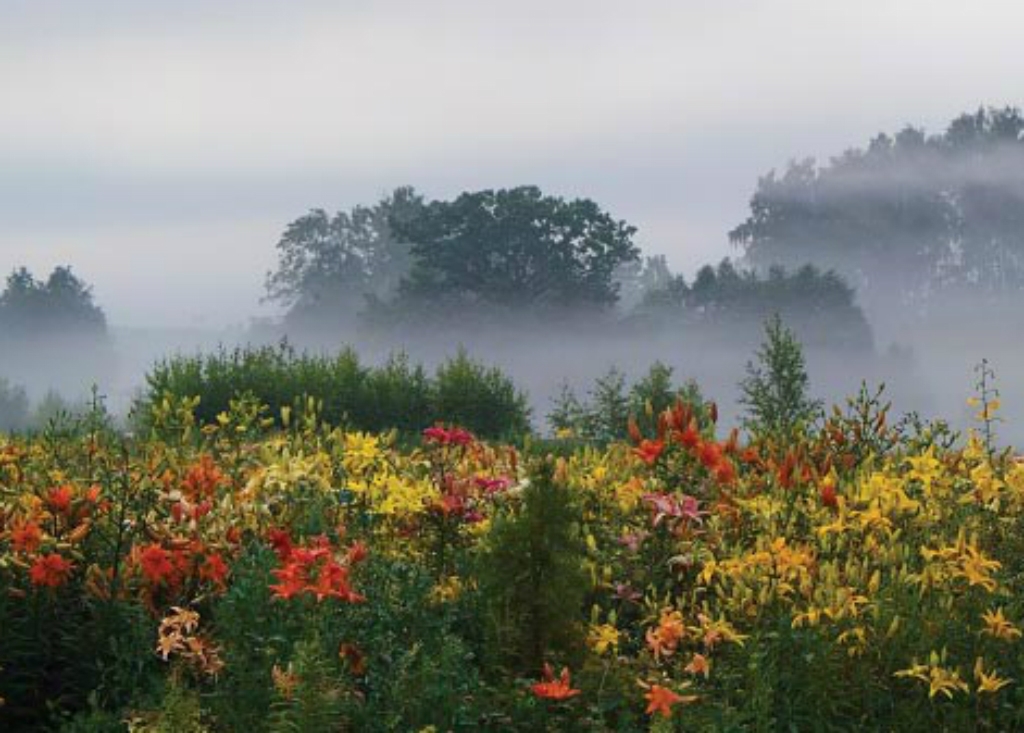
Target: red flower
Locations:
point(828, 496)
point(356, 553)
point(26, 537)
point(750, 455)
point(690, 437)
point(355, 658)
point(458, 436)
point(314, 570)
point(554, 689)
point(492, 485)
point(649, 451)
point(201, 510)
point(281, 542)
point(202, 479)
point(292, 581)
point(725, 472)
point(59, 499)
point(710, 455)
point(452, 436)
point(660, 701)
point(214, 569)
point(50, 571)
point(156, 564)
point(670, 506)
point(435, 434)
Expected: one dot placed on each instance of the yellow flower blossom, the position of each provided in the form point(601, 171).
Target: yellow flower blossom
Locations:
point(998, 627)
point(988, 681)
point(603, 638)
point(940, 680)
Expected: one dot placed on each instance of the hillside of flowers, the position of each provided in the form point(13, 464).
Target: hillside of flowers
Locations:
point(275, 573)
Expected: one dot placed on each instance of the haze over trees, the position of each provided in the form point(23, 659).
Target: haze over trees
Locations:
point(59, 306)
point(484, 253)
point(906, 217)
point(514, 249)
point(52, 332)
point(329, 266)
point(933, 221)
point(819, 305)
point(511, 255)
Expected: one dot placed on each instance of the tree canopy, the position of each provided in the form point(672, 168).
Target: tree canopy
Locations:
point(515, 248)
point(328, 265)
point(821, 305)
point(909, 213)
point(61, 305)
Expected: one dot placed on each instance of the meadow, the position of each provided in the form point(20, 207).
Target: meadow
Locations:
point(275, 572)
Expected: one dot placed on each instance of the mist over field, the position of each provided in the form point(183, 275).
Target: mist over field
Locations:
point(574, 365)
point(169, 180)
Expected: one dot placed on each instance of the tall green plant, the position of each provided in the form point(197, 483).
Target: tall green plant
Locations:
point(532, 576)
point(776, 389)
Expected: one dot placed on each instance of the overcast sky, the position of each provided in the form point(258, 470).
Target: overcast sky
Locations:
point(160, 147)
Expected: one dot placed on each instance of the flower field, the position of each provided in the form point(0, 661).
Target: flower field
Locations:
point(244, 576)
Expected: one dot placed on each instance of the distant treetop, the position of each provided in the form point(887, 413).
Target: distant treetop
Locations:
point(491, 251)
point(908, 214)
point(61, 305)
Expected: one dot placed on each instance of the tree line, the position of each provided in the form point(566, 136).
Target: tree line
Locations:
point(495, 255)
point(910, 215)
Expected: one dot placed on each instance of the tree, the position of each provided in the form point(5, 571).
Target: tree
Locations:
point(775, 390)
point(513, 249)
point(62, 305)
point(906, 215)
point(820, 306)
point(637, 278)
point(532, 576)
point(328, 265)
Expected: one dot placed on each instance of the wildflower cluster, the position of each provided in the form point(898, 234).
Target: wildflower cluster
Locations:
point(308, 576)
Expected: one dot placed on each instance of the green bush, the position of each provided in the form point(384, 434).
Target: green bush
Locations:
point(775, 391)
point(397, 395)
point(480, 398)
point(531, 573)
point(603, 415)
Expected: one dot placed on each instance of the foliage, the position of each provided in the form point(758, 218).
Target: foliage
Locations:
point(396, 395)
point(512, 249)
point(312, 698)
point(820, 306)
point(62, 305)
point(532, 576)
point(252, 576)
point(775, 390)
point(908, 214)
point(604, 415)
point(638, 278)
point(328, 265)
point(481, 398)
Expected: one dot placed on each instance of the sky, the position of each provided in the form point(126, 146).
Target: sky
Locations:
point(160, 148)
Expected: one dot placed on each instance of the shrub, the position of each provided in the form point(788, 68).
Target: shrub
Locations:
point(532, 576)
point(398, 395)
point(604, 415)
point(480, 398)
point(775, 391)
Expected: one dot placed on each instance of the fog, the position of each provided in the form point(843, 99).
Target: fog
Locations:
point(162, 148)
point(930, 370)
